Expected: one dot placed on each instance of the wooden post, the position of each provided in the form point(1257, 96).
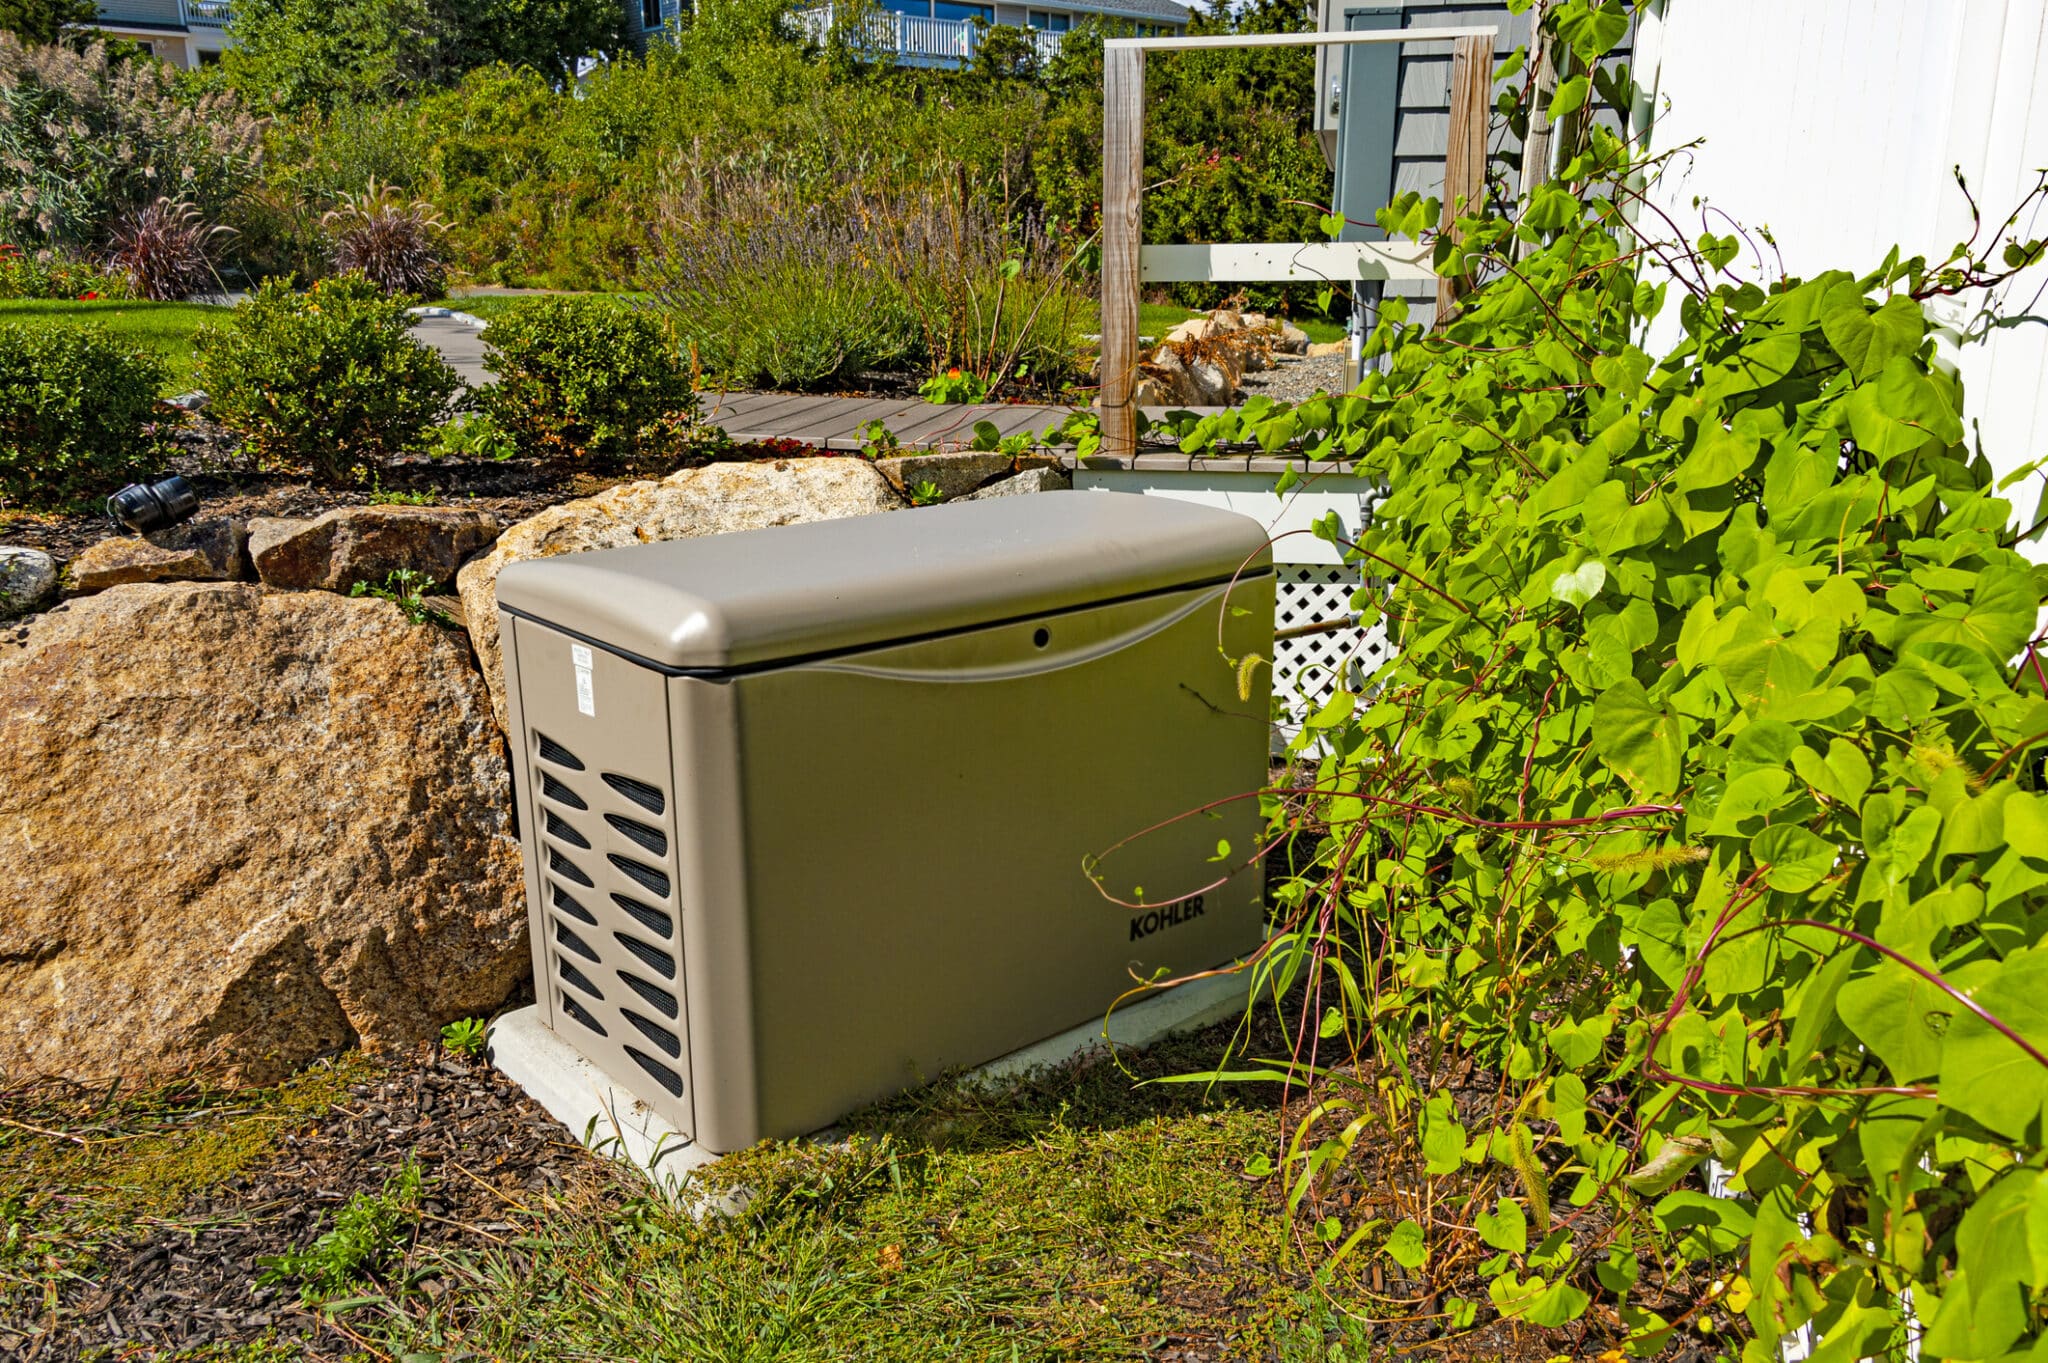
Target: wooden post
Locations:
point(1123, 175)
point(1536, 146)
point(1465, 154)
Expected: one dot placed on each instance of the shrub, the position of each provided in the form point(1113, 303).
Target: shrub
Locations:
point(586, 379)
point(53, 274)
point(326, 381)
point(75, 413)
point(165, 251)
point(393, 244)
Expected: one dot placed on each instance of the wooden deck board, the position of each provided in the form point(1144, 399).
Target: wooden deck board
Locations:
point(834, 422)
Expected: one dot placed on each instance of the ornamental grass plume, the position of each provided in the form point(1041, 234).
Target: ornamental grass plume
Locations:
point(166, 251)
point(392, 243)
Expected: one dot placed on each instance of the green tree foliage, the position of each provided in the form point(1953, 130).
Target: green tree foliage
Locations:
point(327, 54)
point(543, 188)
point(338, 54)
point(42, 21)
point(1703, 806)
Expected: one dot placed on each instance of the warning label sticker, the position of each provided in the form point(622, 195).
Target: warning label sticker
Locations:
point(586, 693)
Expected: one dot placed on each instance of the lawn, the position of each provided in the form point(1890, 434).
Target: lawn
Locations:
point(164, 327)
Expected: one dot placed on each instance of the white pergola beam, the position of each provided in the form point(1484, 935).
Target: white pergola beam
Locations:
point(1275, 262)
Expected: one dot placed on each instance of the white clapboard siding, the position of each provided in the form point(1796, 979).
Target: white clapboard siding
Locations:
point(1834, 124)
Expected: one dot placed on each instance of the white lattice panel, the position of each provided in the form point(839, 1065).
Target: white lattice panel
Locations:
point(1306, 670)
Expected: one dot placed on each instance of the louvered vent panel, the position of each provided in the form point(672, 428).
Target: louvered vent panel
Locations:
point(576, 1010)
point(656, 922)
point(663, 1075)
point(567, 903)
point(612, 914)
point(661, 1036)
point(640, 793)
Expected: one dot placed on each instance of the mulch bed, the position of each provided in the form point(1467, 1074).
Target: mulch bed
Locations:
point(482, 1146)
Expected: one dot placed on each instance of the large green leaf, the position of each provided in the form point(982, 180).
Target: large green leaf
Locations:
point(1799, 860)
point(1867, 339)
point(1616, 522)
point(1982, 1072)
point(1900, 1016)
point(1997, 622)
point(1639, 738)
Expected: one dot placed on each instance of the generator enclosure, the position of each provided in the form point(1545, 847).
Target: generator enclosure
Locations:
point(809, 812)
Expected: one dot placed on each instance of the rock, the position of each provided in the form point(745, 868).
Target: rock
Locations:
point(1256, 321)
point(1324, 348)
point(194, 401)
point(28, 578)
point(700, 501)
point(1214, 386)
point(953, 474)
point(368, 544)
point(1194, 329)
point(1030, 480)
point(1227, 319)
point(245, 826)
point(210, 550)
point(1152, 392)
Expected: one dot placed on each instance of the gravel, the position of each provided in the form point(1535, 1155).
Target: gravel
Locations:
point(1294, 380)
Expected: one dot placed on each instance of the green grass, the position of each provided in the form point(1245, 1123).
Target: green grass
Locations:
point(164, 327)
point(1075, 1217)
point(1156, 319)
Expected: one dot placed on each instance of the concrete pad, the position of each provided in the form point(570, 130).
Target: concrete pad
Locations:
point(611, 1121)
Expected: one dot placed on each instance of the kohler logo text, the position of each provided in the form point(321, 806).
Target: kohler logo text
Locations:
point(1152, 920)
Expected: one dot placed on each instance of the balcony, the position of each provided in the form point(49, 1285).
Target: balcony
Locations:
point(166, 14)
point(913, 41)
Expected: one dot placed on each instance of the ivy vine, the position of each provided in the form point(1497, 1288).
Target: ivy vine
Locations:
point(1703, 802)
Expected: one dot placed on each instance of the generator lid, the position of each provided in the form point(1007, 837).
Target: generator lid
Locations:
point(763, 596)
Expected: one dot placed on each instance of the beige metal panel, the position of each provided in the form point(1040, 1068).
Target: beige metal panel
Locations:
point(915, 821)
point(763, 596)
point(601, 850)
point(523, 814)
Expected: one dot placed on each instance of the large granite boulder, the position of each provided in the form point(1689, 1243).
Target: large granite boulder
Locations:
point(952, 474)
point(211, 550)
point(28, 578)
point(367, 544)
point(701, 501)
point(245, 827)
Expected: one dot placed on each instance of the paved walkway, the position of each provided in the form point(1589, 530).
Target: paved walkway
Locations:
point(461, 344)
point(827, 422)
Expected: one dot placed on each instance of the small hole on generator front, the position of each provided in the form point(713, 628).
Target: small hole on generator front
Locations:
point(1041, 637)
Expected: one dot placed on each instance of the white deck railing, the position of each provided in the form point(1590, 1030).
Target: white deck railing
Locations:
point(914, 41)
point(207, 13)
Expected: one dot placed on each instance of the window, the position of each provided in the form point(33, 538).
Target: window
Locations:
point(952, 9)
point(650, 13)
point(916, 9)
point(1048, 21)
point(208, 57)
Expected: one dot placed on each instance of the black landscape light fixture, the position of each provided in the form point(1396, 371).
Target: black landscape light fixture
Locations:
point(143, 507)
